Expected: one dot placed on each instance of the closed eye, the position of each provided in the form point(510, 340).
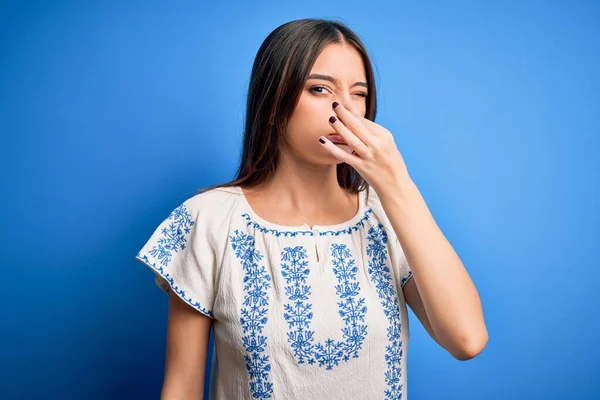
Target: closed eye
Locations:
point(315, 88)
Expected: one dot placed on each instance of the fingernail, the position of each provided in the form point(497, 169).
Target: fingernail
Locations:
point(332, 119)
point(322, 140)
point(335, 104)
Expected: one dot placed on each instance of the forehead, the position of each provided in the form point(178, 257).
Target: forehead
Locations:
point(341, 61)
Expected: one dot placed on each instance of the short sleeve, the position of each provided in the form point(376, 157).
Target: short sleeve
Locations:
point(180, 254)
point(404, 267)
point(398, 258)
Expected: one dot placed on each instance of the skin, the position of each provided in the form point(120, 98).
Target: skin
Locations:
point(304, 189)
point(441, 293)
point(188, 333)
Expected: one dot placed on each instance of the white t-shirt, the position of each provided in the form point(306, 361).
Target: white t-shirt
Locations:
point(286, 325)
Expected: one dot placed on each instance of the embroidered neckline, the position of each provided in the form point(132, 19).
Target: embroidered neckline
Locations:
point(316, 231)
point(265, 226)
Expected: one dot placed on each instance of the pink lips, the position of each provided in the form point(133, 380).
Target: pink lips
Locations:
point(335, 138)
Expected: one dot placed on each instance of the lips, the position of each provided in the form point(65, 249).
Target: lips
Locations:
point(336, 139)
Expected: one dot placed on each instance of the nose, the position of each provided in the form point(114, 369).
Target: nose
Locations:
point(355, 106)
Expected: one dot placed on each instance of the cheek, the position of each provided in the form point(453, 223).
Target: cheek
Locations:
point(311, 117)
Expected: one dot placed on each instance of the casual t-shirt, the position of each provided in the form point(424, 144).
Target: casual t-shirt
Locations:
point(298, 312)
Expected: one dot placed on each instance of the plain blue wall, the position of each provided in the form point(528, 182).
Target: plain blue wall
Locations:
point(113, 113)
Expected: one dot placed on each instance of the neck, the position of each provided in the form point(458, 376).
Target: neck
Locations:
point(306, 189)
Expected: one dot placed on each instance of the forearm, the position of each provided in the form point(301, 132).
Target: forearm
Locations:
point(449, 296)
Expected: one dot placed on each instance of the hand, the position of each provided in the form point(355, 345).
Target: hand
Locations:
point(375, 155)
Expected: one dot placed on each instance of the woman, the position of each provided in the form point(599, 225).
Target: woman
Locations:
point(304, 264)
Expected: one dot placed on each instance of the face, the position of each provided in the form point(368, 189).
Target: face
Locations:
point(337, 75)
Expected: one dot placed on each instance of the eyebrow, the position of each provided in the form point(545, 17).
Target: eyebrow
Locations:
point(333, 80)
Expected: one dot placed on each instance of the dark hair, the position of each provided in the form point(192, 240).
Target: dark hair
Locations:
point(281, 67)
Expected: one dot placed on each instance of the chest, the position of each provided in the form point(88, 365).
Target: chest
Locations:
point(307, 293)
point(332, 212)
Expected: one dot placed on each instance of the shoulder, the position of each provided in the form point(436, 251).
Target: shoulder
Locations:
point(374, 204)
point(211, 208)
point(212, 198)
point(378, 212)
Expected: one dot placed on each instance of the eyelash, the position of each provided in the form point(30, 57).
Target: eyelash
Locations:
point(361, 94)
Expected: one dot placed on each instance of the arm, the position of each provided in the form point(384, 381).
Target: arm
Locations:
point(442, 295)
point(451, 303)
point(414, 300)
point(188, 334)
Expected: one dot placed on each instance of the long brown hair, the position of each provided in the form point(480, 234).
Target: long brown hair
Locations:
point(281, 67)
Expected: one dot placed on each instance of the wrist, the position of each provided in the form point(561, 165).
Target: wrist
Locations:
point(402, 193)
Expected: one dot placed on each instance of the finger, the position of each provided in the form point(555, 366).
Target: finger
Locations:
point(368, 123)
point(353, 123)
point(338, 152)
point(349, 137)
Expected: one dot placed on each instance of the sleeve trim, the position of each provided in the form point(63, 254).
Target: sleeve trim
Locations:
point(406, 278)
point(161, 274)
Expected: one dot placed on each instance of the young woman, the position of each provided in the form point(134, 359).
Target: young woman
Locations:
point(304, 264)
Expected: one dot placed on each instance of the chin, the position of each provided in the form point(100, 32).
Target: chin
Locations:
point(333, 160)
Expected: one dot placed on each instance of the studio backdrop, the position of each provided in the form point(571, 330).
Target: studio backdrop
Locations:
point(113, 113)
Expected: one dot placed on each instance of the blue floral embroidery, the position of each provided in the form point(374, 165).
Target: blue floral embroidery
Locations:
point(259, 227)
point(298, 311)
point(173, 235)
point(173, 239)
point(253, 318)
point(380, 274)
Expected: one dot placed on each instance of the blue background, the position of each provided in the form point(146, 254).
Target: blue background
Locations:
point(112, 114)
